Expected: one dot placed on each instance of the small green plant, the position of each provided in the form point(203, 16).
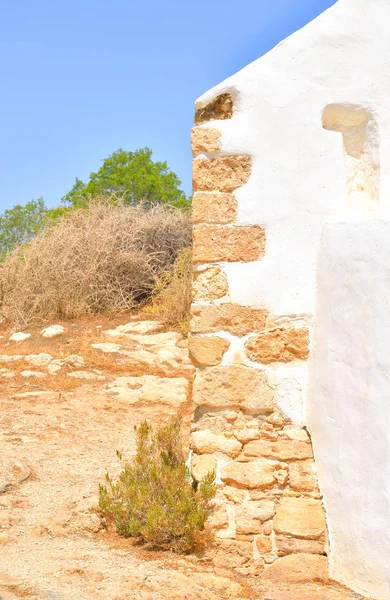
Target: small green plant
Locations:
point(153, 499)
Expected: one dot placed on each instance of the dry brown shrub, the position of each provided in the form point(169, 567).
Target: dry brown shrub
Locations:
point(173, 293)
point(102, 259)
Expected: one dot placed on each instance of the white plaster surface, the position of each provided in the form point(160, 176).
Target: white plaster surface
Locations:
point(311, 164)
point(349, 401)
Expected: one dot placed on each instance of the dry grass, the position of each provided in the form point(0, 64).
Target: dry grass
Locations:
point(172, 294)
point(104, 259)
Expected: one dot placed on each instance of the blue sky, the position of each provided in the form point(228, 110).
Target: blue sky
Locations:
point(81, 78)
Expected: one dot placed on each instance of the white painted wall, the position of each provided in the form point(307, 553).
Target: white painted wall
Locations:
point(349, 401)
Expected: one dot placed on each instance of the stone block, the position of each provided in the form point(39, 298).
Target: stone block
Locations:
point(300, 517)
point(214, 207)
point(234, 318)
point(233, 386)
point(251, 515)
point(279, 345)
point(209, 284)
point(288, 545)
point(202, 465)
point(280, 449)
point(223, 174)
point(297, 568)
point(263, 544)
point(255, 474)
point(220, 108)
point(302, 476)
point(228, 243)
point(207, 351)
point(205, 139)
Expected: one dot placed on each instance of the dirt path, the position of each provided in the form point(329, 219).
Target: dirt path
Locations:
point(64, 434)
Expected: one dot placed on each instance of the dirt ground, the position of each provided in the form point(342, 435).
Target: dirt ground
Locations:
point(59, 434)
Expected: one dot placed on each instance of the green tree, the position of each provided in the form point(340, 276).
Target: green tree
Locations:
point(134, 177)
point(21, 223)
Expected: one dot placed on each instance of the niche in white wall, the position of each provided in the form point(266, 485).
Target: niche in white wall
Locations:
point(360, 136)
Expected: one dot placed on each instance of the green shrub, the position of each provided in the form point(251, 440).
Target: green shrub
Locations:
point(153, 499)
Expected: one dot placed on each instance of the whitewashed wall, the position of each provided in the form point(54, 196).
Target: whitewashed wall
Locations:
point(349, 403)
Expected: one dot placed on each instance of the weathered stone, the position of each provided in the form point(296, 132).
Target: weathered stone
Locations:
point(281, 449)
point(214, 207)
point(295, 433)
point(216, 422)
point(207, 351)
point(209, 284)
point(202, 465)
point(223, 174)
point(255, 474)
point(235, 495)
point(248, 434)
point(218, 517)
point(302, 476)
point(205, 139)
point(267, 528)
point(263, 544)
point(228, 243)
point(233, 318)
point(206, 442)
point(233, 553)
point(288, 545)
point(52, 331)
point(300, 517)
point(281, 476)
point(297, 568)
point(279, 345)
point(250, 516)
point(234, 386)
point(219, 108)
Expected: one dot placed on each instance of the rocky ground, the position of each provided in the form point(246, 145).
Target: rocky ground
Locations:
point(69, 399)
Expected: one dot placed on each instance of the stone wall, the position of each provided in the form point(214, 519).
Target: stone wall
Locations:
point(268, 511)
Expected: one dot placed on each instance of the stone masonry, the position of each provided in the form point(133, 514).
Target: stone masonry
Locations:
point(268, 507)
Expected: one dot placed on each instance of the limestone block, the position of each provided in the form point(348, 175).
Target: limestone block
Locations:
point(233, 318)
point(205, 139)
point(207, 442)
point(256, 474)
point(279, 345)
point(207, 351)
point(202, 465)
point(228, 243)
point(233, 386)
point(224, 173)
point(233, 553)
point(297, 568)
point(300, 517)
point(219, 108)
point(248, 434)
point(302, 476)
point(234, 494)
point(250, 516)
point(288, 545)
point(213, 207)
point(209, 284)
point(281, 449)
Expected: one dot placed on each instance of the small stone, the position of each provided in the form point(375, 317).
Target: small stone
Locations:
point(52, 331)
point(263, 544)
point(267, 528)
point(235, 495)
point(281, 476)
point(209, 284)
point(277, 420)
point(28, 373)
point(248, 434)
point(39, 360)
point(295, 433)
point(19, 336)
